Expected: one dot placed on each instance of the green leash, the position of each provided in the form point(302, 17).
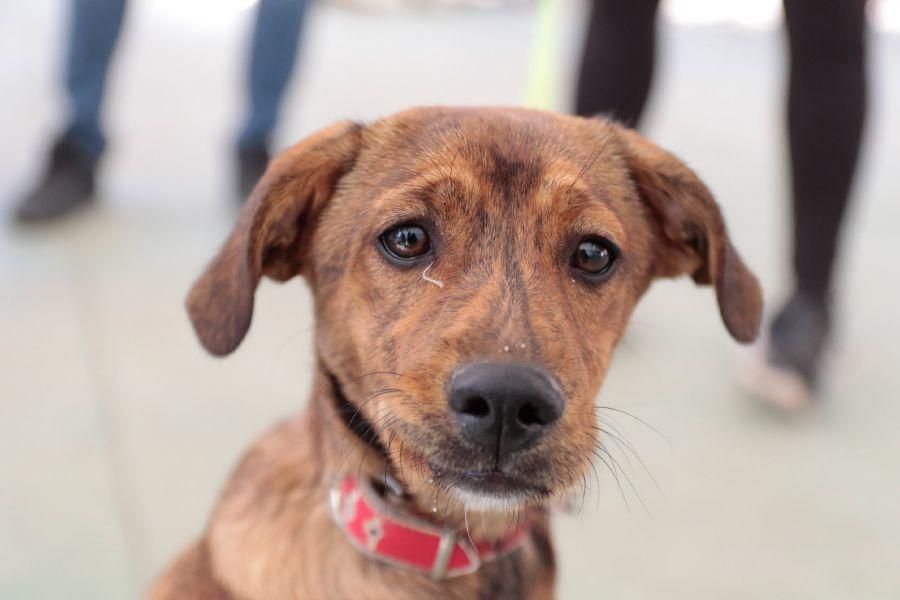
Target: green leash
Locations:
point(541, 90)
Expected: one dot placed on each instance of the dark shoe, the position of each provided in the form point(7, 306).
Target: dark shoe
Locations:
point(252, 163)
point(67, 185)
point(784, 372)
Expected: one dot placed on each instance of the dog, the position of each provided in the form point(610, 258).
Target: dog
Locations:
point(472, 270)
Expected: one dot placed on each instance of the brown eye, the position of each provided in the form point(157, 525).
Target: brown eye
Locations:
point(593, 256)
point(406, 242)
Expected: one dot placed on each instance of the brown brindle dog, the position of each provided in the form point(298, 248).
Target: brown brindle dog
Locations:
point(472, 271)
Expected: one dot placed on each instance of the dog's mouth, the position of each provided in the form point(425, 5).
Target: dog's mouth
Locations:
point(486, 486)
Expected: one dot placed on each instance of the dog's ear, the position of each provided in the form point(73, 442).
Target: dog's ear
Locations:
point(694, 238)
point(270, 235)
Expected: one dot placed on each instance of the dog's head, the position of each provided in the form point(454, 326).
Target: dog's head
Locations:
point(472, 271)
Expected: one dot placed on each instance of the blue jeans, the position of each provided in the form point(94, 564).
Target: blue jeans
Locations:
point(95, 27)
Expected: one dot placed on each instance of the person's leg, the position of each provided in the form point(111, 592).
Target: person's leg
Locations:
point(617, 60)
point(94, 31)
point(273, 52)
point(68, 182)
point(826, 108)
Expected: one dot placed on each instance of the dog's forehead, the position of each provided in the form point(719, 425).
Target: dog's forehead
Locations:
point(507, 136)
point(507, 154)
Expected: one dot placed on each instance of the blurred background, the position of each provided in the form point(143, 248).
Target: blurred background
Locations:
point(116, 430)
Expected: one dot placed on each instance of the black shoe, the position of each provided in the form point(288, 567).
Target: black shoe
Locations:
point(67, 185)
point(252, 163)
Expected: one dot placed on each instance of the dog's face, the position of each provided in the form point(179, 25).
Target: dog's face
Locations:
point(473, 270)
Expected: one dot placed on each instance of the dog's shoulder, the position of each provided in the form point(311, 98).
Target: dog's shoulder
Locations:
point(190, 576)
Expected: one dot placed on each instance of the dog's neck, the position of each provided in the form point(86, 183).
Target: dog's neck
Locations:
point(349, 444)
point(277, 509)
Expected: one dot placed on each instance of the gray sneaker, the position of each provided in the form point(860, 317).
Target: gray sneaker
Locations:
point(798, 337)
point(784, 370)
point(252, 163)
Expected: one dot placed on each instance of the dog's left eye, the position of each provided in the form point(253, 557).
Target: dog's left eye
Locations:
point(406, 242)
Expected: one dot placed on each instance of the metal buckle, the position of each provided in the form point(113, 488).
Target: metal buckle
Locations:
point(443, 554)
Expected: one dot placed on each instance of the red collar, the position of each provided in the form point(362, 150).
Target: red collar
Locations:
point(381, 532)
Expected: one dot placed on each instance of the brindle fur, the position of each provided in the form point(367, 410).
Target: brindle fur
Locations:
point(504, 192)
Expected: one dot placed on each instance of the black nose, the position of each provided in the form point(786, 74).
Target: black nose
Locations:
point(504, 407)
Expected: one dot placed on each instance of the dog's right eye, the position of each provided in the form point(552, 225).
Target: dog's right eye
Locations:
point(406, 242)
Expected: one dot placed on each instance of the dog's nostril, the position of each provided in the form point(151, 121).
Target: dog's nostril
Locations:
point(475, 406)
point(528, 415)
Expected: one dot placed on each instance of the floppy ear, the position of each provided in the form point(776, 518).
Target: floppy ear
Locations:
point(695, 240)
point(270, 235)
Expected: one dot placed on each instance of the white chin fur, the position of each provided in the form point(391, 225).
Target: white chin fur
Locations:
point(474, 501)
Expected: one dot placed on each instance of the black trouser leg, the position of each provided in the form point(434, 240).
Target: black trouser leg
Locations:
point(826, 110)
point(617, 61)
